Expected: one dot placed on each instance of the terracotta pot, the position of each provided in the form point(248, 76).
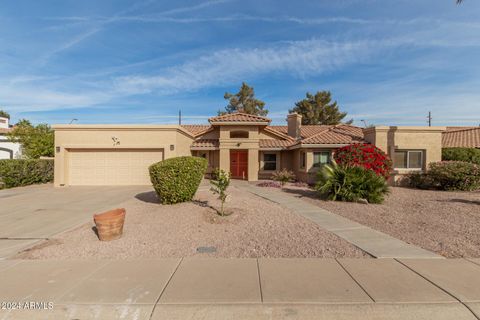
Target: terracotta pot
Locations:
point(110, 224)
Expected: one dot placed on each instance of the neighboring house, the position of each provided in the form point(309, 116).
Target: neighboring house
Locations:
point(243, 144)
point(461, 137)
point(8, 150)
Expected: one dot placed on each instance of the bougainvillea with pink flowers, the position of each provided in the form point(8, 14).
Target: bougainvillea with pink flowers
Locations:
point(365, 155)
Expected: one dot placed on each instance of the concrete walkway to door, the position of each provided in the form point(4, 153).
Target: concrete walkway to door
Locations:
point(34, 213)
point(376, 243)
point(256, 289)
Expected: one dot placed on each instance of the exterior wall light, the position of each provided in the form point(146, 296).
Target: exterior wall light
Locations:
point(172, 147)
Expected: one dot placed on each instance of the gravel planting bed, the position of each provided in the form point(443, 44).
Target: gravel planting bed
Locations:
point(447, 223)
point(256, 228)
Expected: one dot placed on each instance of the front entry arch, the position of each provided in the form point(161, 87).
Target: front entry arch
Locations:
point(239, 164)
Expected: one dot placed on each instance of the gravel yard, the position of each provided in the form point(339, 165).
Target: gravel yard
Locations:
point(256, 228)
point(447, 223)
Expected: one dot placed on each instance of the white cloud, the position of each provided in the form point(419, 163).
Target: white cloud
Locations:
point(300, 58)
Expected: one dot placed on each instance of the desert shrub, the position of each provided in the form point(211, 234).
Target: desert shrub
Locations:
point(461, 154)
point(219, 186)
point(419, 180)
point(454, 175)
point(351, 183)
point(177, 179)
point(283, 176)
point(364, 155)
point(16, 172)
point(269, 184)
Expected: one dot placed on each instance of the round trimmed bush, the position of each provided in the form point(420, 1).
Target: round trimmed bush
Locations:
point(364, 155)
point(177, 179)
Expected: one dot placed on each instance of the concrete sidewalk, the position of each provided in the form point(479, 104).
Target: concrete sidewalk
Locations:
point(203, 288)
point(376, 243)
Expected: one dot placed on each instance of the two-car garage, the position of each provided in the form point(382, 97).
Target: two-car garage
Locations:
point(114, 155)
point(111, 166)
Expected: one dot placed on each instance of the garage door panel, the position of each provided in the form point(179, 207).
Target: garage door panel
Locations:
point(111, 166)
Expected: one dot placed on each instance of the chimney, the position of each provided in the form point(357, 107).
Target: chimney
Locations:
point(294, 121)
point(4, 123)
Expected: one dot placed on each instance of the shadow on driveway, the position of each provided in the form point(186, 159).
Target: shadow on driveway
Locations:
point(149, 197)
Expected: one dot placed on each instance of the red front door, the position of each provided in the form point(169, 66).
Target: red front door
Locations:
point(239, 164)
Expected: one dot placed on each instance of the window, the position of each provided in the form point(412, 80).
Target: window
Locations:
point(238, 134)
point(321, 158)
point(408, 159)
point(269, 161)
point(303, 159)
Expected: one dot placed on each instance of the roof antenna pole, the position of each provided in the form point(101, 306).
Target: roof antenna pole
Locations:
point(179, 117)
point(429, 118)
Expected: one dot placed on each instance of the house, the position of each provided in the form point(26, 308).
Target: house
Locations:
point(246, 145)
point(8, 150)
point(461, 137)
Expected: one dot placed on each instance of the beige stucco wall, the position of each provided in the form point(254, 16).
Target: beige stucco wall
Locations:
point(389, 139)
point(251, 144)
point(129, 137)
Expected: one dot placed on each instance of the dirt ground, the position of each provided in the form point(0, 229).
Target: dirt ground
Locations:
point(256, 228)
point(447, 223)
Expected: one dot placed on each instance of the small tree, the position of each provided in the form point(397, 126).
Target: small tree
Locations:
point(319, 109)
point(283, 176)
point(244, 101)
point(220, 183)
point(4, 114)
point(36, 141)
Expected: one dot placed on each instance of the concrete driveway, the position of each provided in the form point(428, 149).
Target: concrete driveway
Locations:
point(34, 213)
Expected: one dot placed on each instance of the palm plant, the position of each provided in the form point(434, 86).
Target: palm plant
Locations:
point(348, 183)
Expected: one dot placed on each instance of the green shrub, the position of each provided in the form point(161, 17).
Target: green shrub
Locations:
point(454, 175)
point(177, 179)
point(283, 176)
point(351, 183)
point(419, 180)
point(461, 154)
point(16, 172)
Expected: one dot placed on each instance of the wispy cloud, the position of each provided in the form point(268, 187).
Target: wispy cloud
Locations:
point(231, 65)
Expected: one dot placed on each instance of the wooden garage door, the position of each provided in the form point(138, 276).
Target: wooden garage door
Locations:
point(111, 166)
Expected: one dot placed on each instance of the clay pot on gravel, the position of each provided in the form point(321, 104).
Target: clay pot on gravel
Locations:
point(110, 224)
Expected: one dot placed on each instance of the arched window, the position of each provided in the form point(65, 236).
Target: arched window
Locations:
point(239, 134)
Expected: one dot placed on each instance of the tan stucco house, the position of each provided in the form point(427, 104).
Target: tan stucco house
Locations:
point(243, 144)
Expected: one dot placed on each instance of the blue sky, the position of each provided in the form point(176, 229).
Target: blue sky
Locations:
point(387, 62)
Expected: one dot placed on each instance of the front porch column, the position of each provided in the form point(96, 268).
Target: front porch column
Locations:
point(224, 161)
point(253, 164)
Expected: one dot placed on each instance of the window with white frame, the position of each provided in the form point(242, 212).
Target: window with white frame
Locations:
point(321, 158)
point(408, 159)
point(270, 161)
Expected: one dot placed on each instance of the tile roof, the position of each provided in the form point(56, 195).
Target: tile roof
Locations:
point(196, 129)
point(468, 137)
point(274, 143)
point(205, 143)
point(310, 134)
point(306, 131)
point(5, 130)
point(340, 134)
point(239, 117)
